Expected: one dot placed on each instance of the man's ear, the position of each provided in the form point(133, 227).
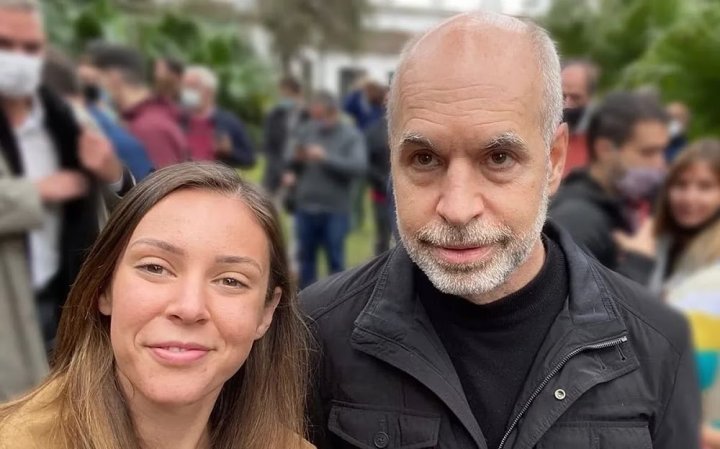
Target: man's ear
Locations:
point(267, 314)
point(105, 304)
point(604, 149)
point(558, 153)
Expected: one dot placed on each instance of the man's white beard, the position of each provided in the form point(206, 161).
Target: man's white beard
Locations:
point(475, 279)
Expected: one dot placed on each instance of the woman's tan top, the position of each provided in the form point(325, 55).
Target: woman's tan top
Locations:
point(31, 427)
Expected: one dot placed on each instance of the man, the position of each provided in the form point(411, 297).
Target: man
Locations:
point(484, 329)
point(281, 122)
point(49, 168)
point(579, 79)
point(376, 136)
point(167, 79)
point(328, 155)
point(679, 123)
point(627, 136)
point(212, 132)
point(83, 95)
point(148, 118)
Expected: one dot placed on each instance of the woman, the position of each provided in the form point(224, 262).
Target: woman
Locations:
point(181, 331)
point(687, 265)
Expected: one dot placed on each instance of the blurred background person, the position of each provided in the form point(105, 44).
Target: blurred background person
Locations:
point(627, 137)
point(682, 261)
point(579, 80)
point(378, 147)
point(50, 169)
point(328, 156)
point(279, 126)
point(149, 119)
point(679, 115)
point(61, 76)
point(168, 75)
point(212, 132)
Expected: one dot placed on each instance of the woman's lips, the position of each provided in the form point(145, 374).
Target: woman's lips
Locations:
point(178, 354)
point(463, 255)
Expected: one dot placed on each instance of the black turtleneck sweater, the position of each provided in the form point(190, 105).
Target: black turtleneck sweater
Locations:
point(493, 346)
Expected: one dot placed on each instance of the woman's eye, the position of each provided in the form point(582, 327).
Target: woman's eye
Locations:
point(153, 268)
point(232, 283)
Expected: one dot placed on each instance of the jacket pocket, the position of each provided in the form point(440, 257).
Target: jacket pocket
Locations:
point(369, 427)
point(598, 435)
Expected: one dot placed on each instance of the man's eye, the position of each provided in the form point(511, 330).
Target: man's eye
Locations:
point(501, 159)
point(425, 159)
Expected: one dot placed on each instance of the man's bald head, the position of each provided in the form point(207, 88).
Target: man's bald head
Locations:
point(485, 47)
point(579, 80)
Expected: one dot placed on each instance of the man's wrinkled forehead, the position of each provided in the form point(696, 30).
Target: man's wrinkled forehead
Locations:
point(25, 26)
point(471, 65)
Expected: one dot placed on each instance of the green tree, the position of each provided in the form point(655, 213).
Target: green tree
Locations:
point(296, 24)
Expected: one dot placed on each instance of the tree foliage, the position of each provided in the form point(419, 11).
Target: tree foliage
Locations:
point(246, 86)
point(297, 24)
point(672, 45)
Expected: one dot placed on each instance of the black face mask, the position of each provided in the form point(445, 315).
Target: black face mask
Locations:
point(572, 116)
point(91, 93)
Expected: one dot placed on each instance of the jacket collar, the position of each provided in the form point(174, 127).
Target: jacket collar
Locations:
point(394, 327)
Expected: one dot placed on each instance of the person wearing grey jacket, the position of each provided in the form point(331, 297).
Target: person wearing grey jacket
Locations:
point(325, 158)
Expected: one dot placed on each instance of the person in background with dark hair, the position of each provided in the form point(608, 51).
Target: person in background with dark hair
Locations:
point(53, 172)
point(61, 76)
point(148, 118)
point(679, 123)
point(327, 156)
point(167, 78)
point(213, 133)
point(579, 81)
point(378, 147)
point(681, 257)
point(627, 137)
point(280, 124)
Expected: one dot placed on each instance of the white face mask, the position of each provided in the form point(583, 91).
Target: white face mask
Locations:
point(19, 74)
point(190, 98)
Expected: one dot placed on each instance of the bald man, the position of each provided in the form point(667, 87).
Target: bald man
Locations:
point(486, 327)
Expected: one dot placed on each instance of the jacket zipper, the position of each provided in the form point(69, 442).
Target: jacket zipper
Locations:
point(553, 372)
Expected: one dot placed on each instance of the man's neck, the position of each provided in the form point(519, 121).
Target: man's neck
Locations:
point(133, 96)
point(601, 177)
point(205, 111)
point(518, 279)
point(16, 110)
point(169, 426)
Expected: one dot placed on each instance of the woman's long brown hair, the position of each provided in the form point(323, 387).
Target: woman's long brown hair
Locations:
point(261, 406)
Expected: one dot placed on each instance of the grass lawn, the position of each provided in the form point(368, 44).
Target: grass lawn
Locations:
point(361, 242)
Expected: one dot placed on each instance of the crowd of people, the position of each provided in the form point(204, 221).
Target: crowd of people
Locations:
point(547, 270)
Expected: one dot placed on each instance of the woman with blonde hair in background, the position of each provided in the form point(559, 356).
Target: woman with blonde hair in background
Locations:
point(181, 331)
point(682, 261)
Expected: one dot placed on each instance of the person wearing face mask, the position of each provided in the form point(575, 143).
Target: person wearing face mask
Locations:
point(579, 80)
point(83, 94)
point(681, 255)
point(328, 155)
point(679, 124)
point(627, 136)
point(52, 172)
point(212, 133)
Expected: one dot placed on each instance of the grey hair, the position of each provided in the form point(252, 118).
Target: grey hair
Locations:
point(548, 61)
point(207, 76)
